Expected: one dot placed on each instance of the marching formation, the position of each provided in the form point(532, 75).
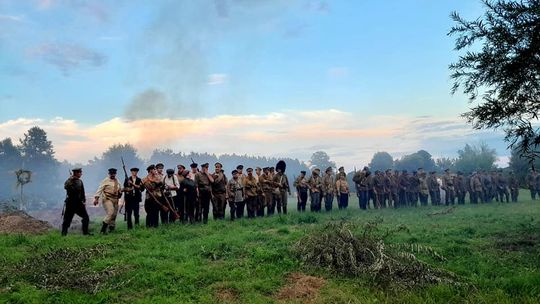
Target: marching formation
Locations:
point(186, 195)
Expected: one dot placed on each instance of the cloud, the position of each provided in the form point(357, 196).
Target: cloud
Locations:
point(148, 104)
point(12, 18)
point(67, 57)
point(348, 140)
point(215, 79)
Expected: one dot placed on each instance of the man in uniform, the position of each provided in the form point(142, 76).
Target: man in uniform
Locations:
point(448, 187)
point(180, 193)
point(315, 187)
point(476, 188)
point(414, 189)
point(328, 187)
point(75, 202)
point(172, 185)
point(260, 193)
point(502, 187)
point(281, 182)
point(433, 187)
point(486, 185)
point(341, 171)
point(251, 187)
point(514, 186)
point(153, 203)
point(197, 202)
point(460, 188)
point(378, 189)
point(390, 188)
point(204, 179)
point(267, 187)
point(188, 188)
point(342, 187)
point(531, 182)
point(219, 192)
point(404, 184)
point(132, 197)
point(301, 185)
point(424, 190)
point(362, 189)
point(109, 191)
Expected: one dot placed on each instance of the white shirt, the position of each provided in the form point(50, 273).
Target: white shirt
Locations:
point(172, 182)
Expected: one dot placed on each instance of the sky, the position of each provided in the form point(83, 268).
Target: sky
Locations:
point(262, 77)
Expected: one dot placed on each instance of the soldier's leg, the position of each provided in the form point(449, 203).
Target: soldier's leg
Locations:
point(215, 207)
point(112, 224)
point(109, 212)
point(69, 212)
point(85, 219)
point(328, 201)
point(205, 207)
point(232, 209)
point(284, 201)
point(129, 210)
point(303, 201)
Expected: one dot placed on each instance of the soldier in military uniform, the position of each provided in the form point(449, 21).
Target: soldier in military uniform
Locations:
point(460, 188)
point(188, 188)
point(342, 187)
point(235, 195)
point(476, 188)
point(403, 182)
point(424, 189)
point(341, 171)
point(153, 203)
point(378, 189)
point(514, 186)
point(260, 193)
point(362, 188)
point(414, 189)
point(328, 187)
point(204, 179)
point(219, 192)
point(315, 189)
point(448, 187)
point(391, 189)
point(109, 191)
point(75, 202)
point(181, 208)
point(133, 188)
point(267, 187)
point(251, 187)
point(502, 187)
point(281, 182)
point(433, 187)
point(531, 182)
point(301, 185)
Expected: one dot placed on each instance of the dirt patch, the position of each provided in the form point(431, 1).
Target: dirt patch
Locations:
point(20, 222)
point(301, 287)
point(518, 243)
point(227, 295)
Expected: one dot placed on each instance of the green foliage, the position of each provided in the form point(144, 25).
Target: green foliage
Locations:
point(411, 162)
point(473, 158)
point(502, 63)
point(381, 161)
point(321, 160)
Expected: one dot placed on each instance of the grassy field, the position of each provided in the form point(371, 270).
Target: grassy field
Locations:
point(495, 248)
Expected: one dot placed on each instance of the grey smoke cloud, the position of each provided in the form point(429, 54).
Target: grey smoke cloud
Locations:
point(67, 57)
point(148, 104)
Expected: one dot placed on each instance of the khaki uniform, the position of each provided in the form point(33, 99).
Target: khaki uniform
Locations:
point(251, 187)
point(219, 195)
point(448, 187)
point(266, 183)
point(109, 191)
point(282, 184)
point(328, 188)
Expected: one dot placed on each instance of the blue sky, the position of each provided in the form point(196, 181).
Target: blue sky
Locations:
point(91, 62)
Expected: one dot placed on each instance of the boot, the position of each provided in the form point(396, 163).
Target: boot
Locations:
point(111, 228)
point(104, 228)
point(64, 231)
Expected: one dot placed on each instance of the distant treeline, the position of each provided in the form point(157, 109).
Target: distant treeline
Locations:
point(36, 153)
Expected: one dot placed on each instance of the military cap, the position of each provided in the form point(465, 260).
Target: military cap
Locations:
point(328, 169)
point(258, 168)
point(341, 168)
point(317, 170)
point(446, 170)
point(414, 172)
point(180, 166)
point(75, 170)
point(170, 171)
point(194, 165)
point(249, 169)
point(388, 170)
point(239, 167)
point(420, 169)
point(160, 165)
point(266, 169)
point(218, 163)
point(151, 167)
point(303, 172)
point(366, 168)
point(404, 171)
point(134, 169)
point(459, 173)
point(205, 165)
point(272, 168)
point(112, 170)
point(432, 172)
point(234, 172)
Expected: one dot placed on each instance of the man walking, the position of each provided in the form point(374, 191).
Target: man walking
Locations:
point(75, 202)
point(109, 191)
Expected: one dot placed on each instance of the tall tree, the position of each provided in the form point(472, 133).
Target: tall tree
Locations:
point(35, 148)
point(503, 64)
point(472, 158)
point(411, 162)
point(381, 161)
point(321, 160)
point(10, 160)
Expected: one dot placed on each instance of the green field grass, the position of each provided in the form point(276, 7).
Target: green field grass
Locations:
point(495, 248)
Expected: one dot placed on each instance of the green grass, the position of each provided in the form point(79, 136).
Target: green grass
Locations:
point(494, 247)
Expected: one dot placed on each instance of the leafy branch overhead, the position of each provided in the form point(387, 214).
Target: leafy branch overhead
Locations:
point(502, 65)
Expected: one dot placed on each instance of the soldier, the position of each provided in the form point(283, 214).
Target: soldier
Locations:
point(301, 185)
point(251, 187)
point(370, 180)
point(341, 171)
point(460, 188)
point(328, 188)
point(485, 177)
point(424, 189)
point(181, 208)
point(502, 187)
point(414, 189)
point(75, 202)
point(172, 185)
point(281, 182)
point(315, 189)
point(494, 185)
point(476, 188)
point(362, 188)
point(109, 191)
point(531, 182)
point(391, 189)
point(342, 187)
point(133, 188)
point(219, 192)
point(235, 195)
point(403, 182)
point(514, 186)
point(204, 179)
point(448, 187)
point(433, 187)
point(260, 193)
point(189, 192)
point(159, 168)
point(267, 186)
point(378, 189)
point(152, 183)
point(241, 175)
point(197, 201)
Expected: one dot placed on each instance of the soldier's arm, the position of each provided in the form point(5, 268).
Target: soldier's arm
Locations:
point(100, 189)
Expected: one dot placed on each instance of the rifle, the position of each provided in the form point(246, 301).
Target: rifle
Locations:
point(126, 178)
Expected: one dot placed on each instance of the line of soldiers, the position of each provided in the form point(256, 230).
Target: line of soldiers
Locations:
point(401, 189)
point(186, 195)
